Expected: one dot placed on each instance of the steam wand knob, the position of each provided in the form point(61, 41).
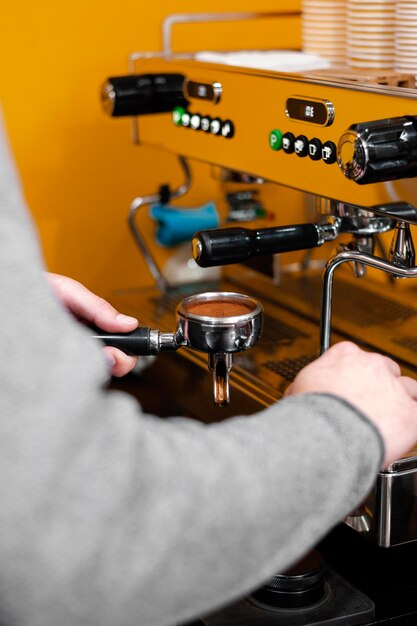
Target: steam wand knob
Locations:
point(381, 150)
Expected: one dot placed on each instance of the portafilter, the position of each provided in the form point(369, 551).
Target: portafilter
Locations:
point(217, 323)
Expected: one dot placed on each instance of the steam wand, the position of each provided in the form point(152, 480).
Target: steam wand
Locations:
point(401, 266)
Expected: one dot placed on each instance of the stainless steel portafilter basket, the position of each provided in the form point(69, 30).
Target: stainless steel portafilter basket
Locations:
point(217, 323)
point(220, 323)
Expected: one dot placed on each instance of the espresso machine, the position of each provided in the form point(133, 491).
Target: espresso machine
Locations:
point(352, 147)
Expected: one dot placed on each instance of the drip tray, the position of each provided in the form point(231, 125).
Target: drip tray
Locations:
point(342, 604)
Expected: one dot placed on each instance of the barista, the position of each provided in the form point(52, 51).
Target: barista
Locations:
point(112, 517)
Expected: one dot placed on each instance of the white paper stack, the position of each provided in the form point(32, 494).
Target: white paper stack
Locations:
point(275, 60)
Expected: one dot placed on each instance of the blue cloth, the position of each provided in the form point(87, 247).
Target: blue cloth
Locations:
point(176, 225)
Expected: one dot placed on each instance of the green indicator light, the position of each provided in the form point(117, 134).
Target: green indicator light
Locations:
point(275, 139)
point(177, 114)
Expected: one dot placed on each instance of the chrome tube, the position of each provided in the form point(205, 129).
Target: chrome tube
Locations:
point(356, 257)
point(141, 201)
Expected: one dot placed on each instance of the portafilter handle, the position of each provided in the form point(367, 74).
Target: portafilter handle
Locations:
point(142, 341)
point(223, 246)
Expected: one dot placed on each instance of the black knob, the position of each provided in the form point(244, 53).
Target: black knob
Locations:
point(378, 151)
point(301, 586)
point(141, 94)
point(223, 246)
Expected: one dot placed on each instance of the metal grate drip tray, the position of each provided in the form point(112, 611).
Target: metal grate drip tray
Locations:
point(289, 368)
point(351, 300)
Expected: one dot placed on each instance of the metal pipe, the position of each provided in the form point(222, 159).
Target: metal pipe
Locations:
point(141, 201)
point(189, 18)
point(332, 264)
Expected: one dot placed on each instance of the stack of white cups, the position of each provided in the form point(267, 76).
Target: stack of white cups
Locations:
point(323, 29)
point(370, 34)
point(406, 37)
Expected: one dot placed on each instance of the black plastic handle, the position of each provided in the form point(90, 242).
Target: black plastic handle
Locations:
point(143, 94)
point(135, 343)
point(222, 246)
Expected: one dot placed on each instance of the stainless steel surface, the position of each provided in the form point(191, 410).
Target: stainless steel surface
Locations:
point(327, 232)
point(220, 364)
point(166, 342)
point(220, 332)
point(402, 252)
point(393, 509)
point(358, 220)
point(220, 324)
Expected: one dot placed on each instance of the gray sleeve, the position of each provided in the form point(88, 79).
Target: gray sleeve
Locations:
point(112, 517)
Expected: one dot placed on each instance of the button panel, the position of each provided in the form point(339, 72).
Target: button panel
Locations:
point(302, 146)
point(213, 126)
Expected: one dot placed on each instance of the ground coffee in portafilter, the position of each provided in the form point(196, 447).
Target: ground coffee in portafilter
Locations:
point(219, 308)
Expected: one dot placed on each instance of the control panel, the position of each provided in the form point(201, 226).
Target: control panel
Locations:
point(196, 121)
point(302, 146)
point(342, 141)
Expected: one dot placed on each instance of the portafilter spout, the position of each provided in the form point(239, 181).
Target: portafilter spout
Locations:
point(217, 323)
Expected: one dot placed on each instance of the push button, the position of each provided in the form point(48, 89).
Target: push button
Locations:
point(205, 123)
point(301, 146)
point(328, 152)
point(195, 121)
point(288, 140)
point(228, 129)
point(185, 119)
point(314, 149)
point(177, 114)
point(215, 126)
point(275, 139)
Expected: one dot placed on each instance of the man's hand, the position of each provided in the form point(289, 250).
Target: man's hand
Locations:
point(88, 307)
point(371, 382)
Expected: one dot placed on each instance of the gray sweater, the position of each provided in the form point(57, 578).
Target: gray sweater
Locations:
point(111, 517)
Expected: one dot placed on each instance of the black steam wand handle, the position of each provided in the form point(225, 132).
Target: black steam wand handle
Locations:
point(135, 343)
point(222, 246)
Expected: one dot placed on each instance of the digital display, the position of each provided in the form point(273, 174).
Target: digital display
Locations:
point(314, 111)
point(203, 91)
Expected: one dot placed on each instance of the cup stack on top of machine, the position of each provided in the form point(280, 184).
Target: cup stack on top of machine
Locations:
point(323, 29)
point(406, 37)
point(370, 34)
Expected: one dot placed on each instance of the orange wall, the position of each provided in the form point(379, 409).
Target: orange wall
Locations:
point(79, 168)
